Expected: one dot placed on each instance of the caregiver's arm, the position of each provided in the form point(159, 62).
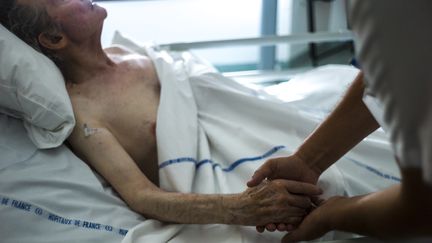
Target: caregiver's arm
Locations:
point(345, 127)
point(398, 212)
point(263, 204)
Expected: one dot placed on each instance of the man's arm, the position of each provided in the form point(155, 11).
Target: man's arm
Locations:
point(345, 127)
point(398, 212)
point(266, 203)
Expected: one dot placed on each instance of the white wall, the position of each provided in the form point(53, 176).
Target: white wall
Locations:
point(284, 26)
point(188, 20)
point(167, 21)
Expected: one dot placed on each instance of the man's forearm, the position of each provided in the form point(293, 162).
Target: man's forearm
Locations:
point(108, 157)
point(184, 208)
point(345, 127)
point(265, 203)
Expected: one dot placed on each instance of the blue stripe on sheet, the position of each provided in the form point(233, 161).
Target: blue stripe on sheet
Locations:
point(375, 171)
point(230, 168)
point(234, 165)
point(56, 219)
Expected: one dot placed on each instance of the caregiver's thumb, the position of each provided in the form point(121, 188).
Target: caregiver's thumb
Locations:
point(267, 170)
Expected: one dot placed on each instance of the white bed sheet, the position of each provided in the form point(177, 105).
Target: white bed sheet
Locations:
point(224, 131)
point(52, 196)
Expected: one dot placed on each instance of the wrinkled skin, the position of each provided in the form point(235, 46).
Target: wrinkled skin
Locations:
point(290, 168)
point(273, 201)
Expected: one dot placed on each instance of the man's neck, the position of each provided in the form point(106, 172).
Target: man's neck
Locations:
point(81, 63)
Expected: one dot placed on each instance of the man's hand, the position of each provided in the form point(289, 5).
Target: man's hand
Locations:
point(316, 224)
point(273, 201)
point(290, 168)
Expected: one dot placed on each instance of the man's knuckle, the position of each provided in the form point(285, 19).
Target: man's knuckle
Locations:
point(277, 183)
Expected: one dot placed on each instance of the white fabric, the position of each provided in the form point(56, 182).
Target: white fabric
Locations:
point(214, 133)
point(32, 88)
point(41, 190)
point(395, 51)
point(234, 123)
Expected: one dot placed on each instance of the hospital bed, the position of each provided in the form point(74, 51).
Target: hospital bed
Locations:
point(50, 195)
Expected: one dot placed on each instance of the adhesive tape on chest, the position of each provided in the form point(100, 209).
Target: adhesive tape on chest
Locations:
point(88, 131)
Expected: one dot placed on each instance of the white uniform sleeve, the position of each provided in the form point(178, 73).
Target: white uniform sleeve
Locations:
point(394, 43)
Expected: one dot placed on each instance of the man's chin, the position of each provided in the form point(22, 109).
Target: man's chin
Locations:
point(100, 9)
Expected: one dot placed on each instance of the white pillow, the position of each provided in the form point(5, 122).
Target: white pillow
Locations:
point(33, 89)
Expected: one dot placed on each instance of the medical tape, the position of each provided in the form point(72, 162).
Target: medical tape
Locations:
point(88, 131)
point(45, 214)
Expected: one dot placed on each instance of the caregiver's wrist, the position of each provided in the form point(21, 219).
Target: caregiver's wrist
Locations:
point(312, 158)
point(336, 213)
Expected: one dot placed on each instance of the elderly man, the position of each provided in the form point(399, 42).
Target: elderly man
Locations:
point(117, 92)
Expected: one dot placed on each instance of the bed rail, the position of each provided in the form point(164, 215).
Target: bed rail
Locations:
point(317, 37)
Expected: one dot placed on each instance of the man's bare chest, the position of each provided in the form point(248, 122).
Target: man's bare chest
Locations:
point(124, 101)
point(130, 101)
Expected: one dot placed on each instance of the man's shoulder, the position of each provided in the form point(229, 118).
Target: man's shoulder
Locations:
point(119, 50)
point(124, 56)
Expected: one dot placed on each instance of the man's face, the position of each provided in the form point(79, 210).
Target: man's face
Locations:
point(80, 19)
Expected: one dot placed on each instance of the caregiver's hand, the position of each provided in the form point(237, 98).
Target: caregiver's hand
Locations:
point(272, 201)
point(317, 223)
point(290, 168)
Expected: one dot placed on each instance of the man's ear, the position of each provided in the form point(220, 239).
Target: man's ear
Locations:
point(52, 41)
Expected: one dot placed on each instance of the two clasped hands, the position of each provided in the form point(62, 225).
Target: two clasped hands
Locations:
point(294, 182)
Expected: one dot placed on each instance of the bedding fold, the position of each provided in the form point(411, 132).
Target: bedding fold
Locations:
point(213, 133)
